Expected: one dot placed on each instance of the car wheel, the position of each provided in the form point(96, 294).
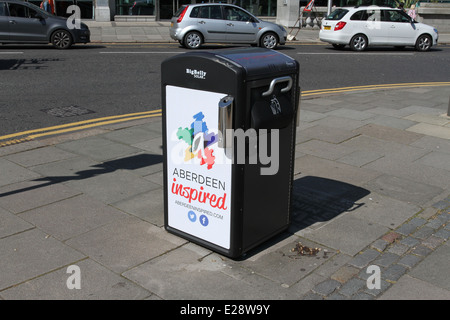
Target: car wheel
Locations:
point(269, 40)
point(61, 39)
point(423, 43)
point(193, 40)
point(358, 42)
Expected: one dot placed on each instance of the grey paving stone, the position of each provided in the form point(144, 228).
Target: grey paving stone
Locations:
point(421, 250)
point(423, 233)
point(359, 234)
point(364, 258)
point(39, 156)
point(351, 114)
point(98, 148)
point(328, 134)
point(148, 206)
point(339, 122)
point(384, 210)
point(443, 233)
point(404, 189)
point(389, 134)
point(315, 166)
point(13, 173)
point(184, 274)
point(386, 259)
point(323, 149)
point(352, 286)
point(96, 283)
point(393, 272)
point(125, 243)
point(359, 158)
point(29, 254)
point(287, 267)
point(326, 287)
point(71, 217)
point(409, 260)
point(114, 186)
point(409, 241)
point(436, 159)
point(435, 269)
point(131, 135)
point(411, 288)
point(11, 224)
point(27, 195)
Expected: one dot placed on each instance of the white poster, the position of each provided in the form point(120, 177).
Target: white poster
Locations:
point(198, 172)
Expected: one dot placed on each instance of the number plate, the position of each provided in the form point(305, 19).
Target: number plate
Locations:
point(326, 27)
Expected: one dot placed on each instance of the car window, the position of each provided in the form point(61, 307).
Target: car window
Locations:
point(337, 14)
point(359, 15)
point(2, 9)
point(180, 10)
point(235, 14)
point(21, 11)
point(395, 16)
point(207, 12)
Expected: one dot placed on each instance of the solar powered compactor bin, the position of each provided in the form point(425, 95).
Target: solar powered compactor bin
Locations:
point(229, 123)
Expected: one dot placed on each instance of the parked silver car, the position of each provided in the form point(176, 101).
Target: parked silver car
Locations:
point(195, 24)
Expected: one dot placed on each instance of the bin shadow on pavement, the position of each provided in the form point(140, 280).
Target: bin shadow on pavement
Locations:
point(133, 162)
point(317, 199)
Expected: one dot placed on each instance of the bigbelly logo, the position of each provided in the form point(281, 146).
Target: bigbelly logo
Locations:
point(199, 141)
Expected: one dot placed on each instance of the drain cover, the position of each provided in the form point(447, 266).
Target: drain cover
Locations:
point(69, 111)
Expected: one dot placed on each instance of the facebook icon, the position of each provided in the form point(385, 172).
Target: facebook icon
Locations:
point(204, 220)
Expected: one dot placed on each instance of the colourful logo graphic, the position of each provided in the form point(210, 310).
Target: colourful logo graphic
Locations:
point(199, 141)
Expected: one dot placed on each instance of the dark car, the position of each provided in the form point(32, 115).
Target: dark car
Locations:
point(23, 22)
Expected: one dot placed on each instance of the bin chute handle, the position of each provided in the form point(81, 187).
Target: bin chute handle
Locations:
point(274, 82)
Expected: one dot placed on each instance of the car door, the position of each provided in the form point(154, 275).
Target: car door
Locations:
point(4, 23)
point(210, 22)
point(401, 30)
point(241, 26)
point(24, 26)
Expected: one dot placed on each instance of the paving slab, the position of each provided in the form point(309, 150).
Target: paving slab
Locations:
point(29, 254)
point(125, 243)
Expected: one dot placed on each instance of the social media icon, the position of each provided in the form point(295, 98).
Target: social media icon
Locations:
point(192, 216)
point(204, 220)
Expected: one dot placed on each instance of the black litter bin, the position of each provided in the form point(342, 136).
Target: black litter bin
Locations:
point(229, 123)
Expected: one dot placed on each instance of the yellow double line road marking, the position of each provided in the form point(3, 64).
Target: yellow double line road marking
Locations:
point(75, 126)
point(38, 133)
point(374, 87)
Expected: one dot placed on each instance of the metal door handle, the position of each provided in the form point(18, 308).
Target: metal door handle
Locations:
point(287, 79)
point(202, 22)
point(12, 21)
point(230, 24)
point(225, 122)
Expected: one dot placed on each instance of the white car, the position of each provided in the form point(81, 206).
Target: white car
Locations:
point(360, 27)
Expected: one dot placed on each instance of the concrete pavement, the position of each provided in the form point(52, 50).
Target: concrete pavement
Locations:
point(371, 191)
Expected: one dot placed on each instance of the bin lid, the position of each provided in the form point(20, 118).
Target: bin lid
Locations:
point(259, 61)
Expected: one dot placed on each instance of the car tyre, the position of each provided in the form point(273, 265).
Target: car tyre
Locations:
point(193, 40)
point(359, 42)
point(269, 40)
point(423, 43)
point(61, 39)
